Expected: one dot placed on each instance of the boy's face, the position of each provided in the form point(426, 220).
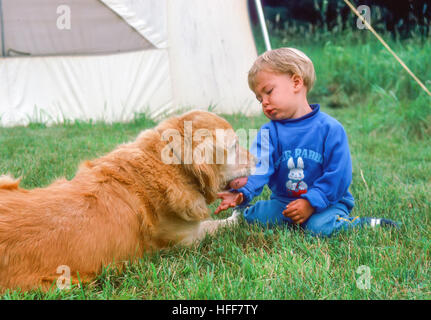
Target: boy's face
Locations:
point(278, 93)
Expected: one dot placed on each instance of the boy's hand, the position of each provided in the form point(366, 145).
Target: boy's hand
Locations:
point(229, 200)
point(299, 210)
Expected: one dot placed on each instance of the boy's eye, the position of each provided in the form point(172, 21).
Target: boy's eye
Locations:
point(268, 92)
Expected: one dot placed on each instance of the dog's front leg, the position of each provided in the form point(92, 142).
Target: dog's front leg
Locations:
point(190, 205)
point(210, 227)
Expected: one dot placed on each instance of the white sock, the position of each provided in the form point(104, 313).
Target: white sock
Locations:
point(375, 222)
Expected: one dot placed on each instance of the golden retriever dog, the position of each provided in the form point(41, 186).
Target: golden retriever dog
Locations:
point(143, 196)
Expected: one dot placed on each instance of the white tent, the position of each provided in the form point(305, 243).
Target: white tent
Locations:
point(112, 59)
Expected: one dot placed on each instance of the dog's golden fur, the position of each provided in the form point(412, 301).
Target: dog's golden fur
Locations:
point(115, 208)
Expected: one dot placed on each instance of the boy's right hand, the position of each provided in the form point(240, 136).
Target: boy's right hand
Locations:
point(229, 200)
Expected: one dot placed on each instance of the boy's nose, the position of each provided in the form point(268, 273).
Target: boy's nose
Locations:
point(265, 100)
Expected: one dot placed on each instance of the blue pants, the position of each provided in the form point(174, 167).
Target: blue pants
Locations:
point(324, 223)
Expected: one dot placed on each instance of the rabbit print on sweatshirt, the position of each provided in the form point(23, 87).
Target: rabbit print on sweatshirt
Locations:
point(295, 185)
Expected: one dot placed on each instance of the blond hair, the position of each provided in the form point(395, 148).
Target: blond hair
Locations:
point(290, 61)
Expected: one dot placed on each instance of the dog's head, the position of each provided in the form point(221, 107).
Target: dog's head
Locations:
point(206, 146)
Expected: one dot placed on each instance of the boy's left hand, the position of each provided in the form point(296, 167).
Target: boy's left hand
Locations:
point(298, 210)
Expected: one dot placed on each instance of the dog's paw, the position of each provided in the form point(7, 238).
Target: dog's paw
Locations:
point(234, 217)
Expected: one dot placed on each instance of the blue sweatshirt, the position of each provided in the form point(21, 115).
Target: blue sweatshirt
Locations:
point(307, 158)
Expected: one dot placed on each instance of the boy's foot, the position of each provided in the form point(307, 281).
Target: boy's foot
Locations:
point(374, 222)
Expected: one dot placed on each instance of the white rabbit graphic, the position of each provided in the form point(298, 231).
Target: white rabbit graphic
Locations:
point(295, 185)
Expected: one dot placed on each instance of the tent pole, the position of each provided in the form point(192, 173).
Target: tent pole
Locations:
point(263, 24)
point(2, 30)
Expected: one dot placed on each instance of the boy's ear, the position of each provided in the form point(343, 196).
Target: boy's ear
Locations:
point(298, 82)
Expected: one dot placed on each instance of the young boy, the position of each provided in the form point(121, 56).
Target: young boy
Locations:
point(303, 153)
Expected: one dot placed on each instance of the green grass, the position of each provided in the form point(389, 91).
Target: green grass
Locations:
point(387, 119)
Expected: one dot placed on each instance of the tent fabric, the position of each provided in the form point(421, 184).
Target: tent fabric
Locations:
point(55, 89)
point(37, 28)
point(147, 17)
point(2, 51)
point(211, 69)
point(124, 57)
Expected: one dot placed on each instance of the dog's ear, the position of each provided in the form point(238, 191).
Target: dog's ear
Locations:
point(202, 156)
point(194, 149)
point(207, 176)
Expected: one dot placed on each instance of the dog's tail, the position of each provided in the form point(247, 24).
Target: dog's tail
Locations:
point(7, 182)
